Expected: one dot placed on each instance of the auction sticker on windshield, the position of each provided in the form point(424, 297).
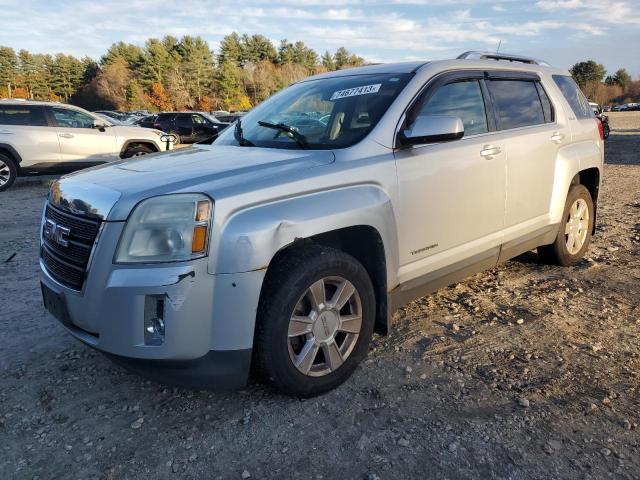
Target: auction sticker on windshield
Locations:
point(352, 92)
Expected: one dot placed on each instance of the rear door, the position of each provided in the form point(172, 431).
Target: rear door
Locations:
point(527, 125)
point(26, 129)
point(184, 127)
point(80, 142)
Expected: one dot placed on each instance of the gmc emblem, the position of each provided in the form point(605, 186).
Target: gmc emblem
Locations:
point(56, 233)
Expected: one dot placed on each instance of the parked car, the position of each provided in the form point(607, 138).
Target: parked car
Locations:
point(188, 127)
point(147, 122)
point(230, 118)
point(46, 137)
point(281, 249)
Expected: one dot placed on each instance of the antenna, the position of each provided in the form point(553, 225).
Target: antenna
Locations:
point(499, 44)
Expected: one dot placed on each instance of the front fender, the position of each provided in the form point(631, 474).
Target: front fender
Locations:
point(251, 238)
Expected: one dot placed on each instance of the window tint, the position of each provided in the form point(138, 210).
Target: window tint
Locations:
point(547, 108)
point(184, 121)
point(67, 118)
point(517, 103)
point(27, 115)
point(460, 99)
point(574, 96)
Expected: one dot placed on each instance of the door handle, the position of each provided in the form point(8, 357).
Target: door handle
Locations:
point(66, 135)
point(489, 151)
point(557, 137)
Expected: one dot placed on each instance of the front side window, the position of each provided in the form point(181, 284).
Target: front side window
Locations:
point(517, 103)
point(460, 99)
point(67, 118)
point(327, 113)
point(571, 92)
point(22, 115)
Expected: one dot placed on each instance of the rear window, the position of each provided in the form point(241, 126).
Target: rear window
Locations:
point(22, 115)
point(517, 103)
point(577, 101)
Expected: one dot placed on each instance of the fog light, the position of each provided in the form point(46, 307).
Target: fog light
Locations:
point(153, 320)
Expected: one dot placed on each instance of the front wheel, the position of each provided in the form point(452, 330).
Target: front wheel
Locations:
point(315, 320)
point(605, 130)
point(575, 230)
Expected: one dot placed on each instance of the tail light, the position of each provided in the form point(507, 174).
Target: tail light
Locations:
point(600, 129)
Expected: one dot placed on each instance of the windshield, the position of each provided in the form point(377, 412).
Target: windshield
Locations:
point(319, 114)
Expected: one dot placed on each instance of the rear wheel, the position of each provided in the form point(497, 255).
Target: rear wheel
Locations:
point(8, 172)
point(315, 320)
point(137, 151)
point(574, 234)
point(605, 130)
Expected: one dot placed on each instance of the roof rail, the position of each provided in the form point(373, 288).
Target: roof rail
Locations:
point(501, 56)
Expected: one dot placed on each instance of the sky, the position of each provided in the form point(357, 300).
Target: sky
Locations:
point(561, 32)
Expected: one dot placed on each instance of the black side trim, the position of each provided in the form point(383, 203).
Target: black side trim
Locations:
point(434, 281)
point(58, 167)
point(511, 75)
point(12, 151)
point(217, 370)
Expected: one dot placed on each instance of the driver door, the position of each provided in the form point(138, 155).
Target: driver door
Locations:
point(452, 194)
point(80, 142)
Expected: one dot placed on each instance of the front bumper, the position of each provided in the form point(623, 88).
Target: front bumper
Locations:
point(208, 319)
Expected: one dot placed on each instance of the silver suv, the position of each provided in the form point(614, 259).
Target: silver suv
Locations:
point(283, 246)
point(47, 137)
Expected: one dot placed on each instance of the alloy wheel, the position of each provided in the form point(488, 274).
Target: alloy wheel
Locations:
point(324, 326)
point(577, 226)
point(5, 173)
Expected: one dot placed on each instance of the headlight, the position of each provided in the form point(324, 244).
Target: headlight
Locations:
point(169, 228)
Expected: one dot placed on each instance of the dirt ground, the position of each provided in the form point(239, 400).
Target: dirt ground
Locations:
point(523, 372)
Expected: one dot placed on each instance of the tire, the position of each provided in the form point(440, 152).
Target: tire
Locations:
point(288, 290)
point(137, 151)
point(605, 130)
point(8, 172)
point(559, 252)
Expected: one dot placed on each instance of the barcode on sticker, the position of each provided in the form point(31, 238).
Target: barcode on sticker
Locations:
point(352, 92)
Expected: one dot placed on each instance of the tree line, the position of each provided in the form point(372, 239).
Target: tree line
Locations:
point(604, 89)
point(168, 73)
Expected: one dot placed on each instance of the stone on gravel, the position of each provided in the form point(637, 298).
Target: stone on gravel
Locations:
point(523, 402)
point(245, 474)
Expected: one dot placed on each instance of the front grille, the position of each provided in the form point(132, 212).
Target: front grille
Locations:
point(68, 264)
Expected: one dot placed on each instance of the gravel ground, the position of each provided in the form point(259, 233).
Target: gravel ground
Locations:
point(526, 371)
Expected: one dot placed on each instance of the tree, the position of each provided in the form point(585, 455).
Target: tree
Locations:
point(112, 83)
point(328, 61)
point(8, 69)
point(230, 49)
point(158, 97)
point(229, 86)
point(67, 73)
point(345, 59)
point(586, 72)
point(620, 78)
point(256, 48)
point(196, 67)
point(132, 54)
point(157, 59)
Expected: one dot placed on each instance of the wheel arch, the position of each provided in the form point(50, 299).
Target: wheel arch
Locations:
point(132, 143)
point(11, 152)
point(358, 220)
point(590, 178)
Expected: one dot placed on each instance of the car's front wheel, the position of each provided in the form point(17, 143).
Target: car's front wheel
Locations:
point(574, 235)
point(315, 320)
point(8, 172)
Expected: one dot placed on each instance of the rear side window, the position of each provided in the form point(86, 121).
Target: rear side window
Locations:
point(579, 104)
point(517, 103)
point(460, 99)
point(26, 116)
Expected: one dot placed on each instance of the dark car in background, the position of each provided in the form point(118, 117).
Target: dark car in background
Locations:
point(189, 127)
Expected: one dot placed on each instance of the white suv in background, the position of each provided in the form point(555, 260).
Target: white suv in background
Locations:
point(46, 137)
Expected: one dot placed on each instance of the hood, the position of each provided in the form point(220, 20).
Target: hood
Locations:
point(203, 168)
point(134, 131)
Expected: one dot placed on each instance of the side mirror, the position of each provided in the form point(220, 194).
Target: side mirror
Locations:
point(99, 125)
point(432, 129)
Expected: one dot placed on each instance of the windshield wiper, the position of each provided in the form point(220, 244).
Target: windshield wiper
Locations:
point(297, 136)
point(237, 133)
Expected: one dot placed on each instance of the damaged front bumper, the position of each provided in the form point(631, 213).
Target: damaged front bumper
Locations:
point(174, 322)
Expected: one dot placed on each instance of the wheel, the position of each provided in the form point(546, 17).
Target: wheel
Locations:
point(574, 234)
point(8, 172)
point(315, 320)
point(605, 130)
point(137, 151)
